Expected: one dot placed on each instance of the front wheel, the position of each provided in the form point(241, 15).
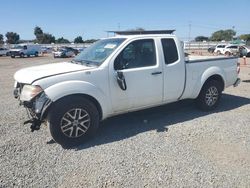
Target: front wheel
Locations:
point(209, 96)
point(73, 120)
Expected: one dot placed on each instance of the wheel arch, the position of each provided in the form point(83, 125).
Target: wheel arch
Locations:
point(216, 77)
point(79, 95)
point(213, 73)
point(83, 89)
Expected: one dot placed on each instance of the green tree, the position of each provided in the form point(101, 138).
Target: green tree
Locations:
point(245, 37)
point(48, 39)
point(38, 32)
point(201, 38)
point(12, 38)
point(62, 40)
point(78, 40)
point(43, 38)
point(1, 39)
point(226, 35)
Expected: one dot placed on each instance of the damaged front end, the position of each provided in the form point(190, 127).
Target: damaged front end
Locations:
point(34, 99)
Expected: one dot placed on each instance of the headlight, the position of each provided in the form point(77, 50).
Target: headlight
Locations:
point(29, 92)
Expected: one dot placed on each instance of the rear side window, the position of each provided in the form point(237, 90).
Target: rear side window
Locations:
point(169, 50)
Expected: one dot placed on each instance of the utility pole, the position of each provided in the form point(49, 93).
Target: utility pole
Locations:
point(119, 26)
point(189, 33)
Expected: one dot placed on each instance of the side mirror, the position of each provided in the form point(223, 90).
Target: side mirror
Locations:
point(121, 80)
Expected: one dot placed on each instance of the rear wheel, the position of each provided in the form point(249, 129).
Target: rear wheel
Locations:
point(36, 54)
point(227, 53)
point(209, 96)
point(73, 120)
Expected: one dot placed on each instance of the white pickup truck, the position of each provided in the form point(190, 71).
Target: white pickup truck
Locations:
point(125, 73)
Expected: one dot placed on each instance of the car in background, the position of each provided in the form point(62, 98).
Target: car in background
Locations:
point(76, 51)
point(23, 50)
point(219, 48)
point(4, 51)
point(230, 50)
point(46, 50)
point(211, 49)
point(244, 51)
point(64, 52)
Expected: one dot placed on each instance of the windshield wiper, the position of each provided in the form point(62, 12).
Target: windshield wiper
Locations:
point(74, 61)
point(84, 62)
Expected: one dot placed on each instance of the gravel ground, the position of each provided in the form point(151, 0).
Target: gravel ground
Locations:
point(174, 145)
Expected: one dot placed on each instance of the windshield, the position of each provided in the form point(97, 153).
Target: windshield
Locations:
point(98, 52)
point(18, 47)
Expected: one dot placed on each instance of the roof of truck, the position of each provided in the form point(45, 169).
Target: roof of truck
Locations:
point(142, 32)
point(148, 33)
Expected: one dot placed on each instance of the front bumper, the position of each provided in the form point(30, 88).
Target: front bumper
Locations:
point(15, 53)
point(37, 108)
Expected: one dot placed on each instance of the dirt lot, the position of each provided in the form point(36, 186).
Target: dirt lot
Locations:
point(174, 145)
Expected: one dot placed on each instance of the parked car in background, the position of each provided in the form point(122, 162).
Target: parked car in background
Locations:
point(211, 49)
point(244, 51)
point(230, 50)
point(219, 48)
point(46, 50)
point(4, 51)
point(76, 51)
point(64, 52)
point(27, 50)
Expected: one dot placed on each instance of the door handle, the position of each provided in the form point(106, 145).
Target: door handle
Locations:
point(155, 73)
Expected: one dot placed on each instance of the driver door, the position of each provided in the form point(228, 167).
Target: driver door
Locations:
point(142, 72)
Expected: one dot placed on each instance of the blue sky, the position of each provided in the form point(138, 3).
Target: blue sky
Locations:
point(91, 18)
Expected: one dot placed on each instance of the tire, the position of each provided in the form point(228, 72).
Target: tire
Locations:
point(209, 96)
point(36, 54)
point(22, 55)
point(65, 120)
point(218, 52)
point(12, 56)
point(227, 53)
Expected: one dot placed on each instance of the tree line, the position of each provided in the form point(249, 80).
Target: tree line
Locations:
point(220, 35)
point(47, 38)
point(41, 38)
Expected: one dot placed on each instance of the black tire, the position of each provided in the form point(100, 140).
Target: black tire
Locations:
point(36, 54)
point(228, 54)
point(209, 96)
point(22, 55)
point(12, 56)
point(64, 128)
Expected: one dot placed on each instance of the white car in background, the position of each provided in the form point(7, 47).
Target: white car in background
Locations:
point(64, 52)
point(23, 50)
point(4, 51)
point(230, 50)
point(219, 48)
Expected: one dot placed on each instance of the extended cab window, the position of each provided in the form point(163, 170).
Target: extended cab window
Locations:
point(169, 50)
point(139, 53)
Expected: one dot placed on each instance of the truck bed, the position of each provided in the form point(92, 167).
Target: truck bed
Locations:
point(193, 59)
